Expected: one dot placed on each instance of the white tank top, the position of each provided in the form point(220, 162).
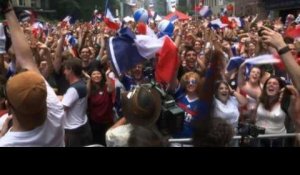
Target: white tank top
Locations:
point(272, 121)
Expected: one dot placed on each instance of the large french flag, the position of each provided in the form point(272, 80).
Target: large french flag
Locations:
point(110, 21)
point(128, 49)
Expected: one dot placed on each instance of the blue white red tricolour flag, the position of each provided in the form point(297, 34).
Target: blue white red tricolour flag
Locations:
point(235, 62)
point(67, 21)
point(111, 21)
point(71, 43)
point(128, 50)
point(205, 11)
point(28, 16)
point(217, 24)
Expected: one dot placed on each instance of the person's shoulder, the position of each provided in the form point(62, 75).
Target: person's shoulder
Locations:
point(118, 136)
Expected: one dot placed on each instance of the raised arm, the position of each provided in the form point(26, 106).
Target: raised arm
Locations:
point(58, 52)
point(241, 76)
point(276, 40)
point(22, 50)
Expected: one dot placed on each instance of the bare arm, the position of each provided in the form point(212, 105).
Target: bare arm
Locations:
point(240, 98)
point(241, 76)
point(58, 52)
point(276, 40)
point(22, 50)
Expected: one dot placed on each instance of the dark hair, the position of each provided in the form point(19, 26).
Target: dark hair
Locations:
point(188, 49)
point(146, 137)
point(218, 84)
point(95, 88)
point(266, 100)
point(212, 132)
point(74, 64)
point(257, 67)
point(288, 40)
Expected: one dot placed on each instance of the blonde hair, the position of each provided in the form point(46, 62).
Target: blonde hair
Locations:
point(185, 78)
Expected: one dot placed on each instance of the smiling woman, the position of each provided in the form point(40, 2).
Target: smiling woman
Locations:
point(227, 102)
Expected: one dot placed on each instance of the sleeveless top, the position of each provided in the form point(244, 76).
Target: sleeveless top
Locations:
point(273, 121)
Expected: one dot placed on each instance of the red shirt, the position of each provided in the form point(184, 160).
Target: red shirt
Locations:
point(100, 107)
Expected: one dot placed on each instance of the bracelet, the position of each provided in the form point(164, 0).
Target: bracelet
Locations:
point(284, 50)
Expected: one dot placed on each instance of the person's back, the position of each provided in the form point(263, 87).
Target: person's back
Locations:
point(50, 132)
point(36, 112)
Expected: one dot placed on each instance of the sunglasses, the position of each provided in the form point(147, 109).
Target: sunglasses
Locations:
point(192, 82)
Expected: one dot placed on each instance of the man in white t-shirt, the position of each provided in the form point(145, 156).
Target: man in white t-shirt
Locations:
point(77, 128)
point(36, 112)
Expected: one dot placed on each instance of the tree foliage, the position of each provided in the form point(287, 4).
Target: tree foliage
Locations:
point(81, 9)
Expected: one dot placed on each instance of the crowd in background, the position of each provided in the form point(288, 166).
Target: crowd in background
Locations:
point(99, 106)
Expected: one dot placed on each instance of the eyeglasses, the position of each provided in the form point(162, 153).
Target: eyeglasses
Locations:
point(192, 82)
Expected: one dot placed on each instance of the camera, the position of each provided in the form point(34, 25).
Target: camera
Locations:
point(171, 117)
point(247, 129)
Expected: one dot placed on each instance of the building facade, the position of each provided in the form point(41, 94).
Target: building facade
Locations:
point(250, 7)
point(282, 8)
point(267, 8)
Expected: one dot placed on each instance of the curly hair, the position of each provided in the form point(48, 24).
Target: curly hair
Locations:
point(185, 78)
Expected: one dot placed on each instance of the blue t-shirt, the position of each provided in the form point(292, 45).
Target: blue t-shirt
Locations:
point(192, 109)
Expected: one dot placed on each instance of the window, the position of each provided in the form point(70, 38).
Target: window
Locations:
point(220, 2)
point(21, 2)
point(36, 3)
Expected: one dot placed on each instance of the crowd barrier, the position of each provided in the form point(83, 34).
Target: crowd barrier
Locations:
point(250, 141)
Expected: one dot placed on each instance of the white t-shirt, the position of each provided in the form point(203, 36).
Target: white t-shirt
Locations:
point(228, 111)
point(76, 114)
point(50, 134)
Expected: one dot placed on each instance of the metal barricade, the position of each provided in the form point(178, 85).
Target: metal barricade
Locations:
point(187, 142)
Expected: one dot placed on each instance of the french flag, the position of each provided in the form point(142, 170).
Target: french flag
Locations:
point(234, 63)
point(28, 16)
point(128, 49)
point(37, 28)
point(71, 43)
point(217, 24)
point(144, 29)
point(238, 20)
point(66, 22)
point(111, 21)
point(205, 11)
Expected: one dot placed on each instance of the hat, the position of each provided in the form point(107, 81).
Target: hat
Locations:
point(26, 93)
point(141, 106)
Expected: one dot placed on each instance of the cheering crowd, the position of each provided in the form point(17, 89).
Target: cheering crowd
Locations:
point(88, 83)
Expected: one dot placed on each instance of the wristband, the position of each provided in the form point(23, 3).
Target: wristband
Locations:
point(284, 50)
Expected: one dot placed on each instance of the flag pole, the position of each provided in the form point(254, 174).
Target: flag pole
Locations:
point(106, 6)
